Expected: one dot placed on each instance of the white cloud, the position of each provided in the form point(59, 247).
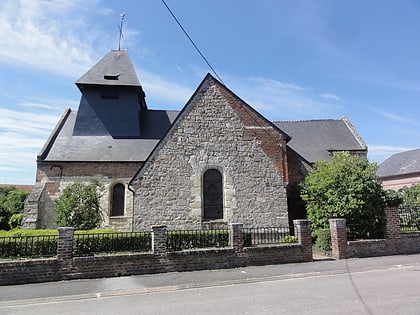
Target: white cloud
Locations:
point(282, 100)
point(22, 135)
point(37, 34)
point(397, 118)
point(162, 89)
point(330, 96)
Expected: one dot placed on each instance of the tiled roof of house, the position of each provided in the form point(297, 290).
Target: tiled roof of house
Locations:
point(317, 139)
point(407, 162)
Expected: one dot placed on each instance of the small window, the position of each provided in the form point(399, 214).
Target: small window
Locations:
point(118, 200)
point(212, 195)
point(109, 92)
point(111, 77)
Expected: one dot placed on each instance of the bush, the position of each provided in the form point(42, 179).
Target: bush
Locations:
point(411, 196)
point(11, 202)
point(15, 220)
point(181, 240)
point(78, 206)
point(85, 244)
point(345, 187)
point(323, 240)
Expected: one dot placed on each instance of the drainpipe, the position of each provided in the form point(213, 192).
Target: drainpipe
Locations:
point(132, 209)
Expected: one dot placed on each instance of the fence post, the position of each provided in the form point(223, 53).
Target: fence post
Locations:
point(65, 246)
point(236, 237)
point(159, 239)
point(339, 244)
point(303, 234)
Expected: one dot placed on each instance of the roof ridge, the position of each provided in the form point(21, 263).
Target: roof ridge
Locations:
point(305, 120)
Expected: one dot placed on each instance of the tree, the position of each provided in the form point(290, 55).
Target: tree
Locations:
point(345, 187)
point(411, 196)
point(11, 202)
point(78, 206)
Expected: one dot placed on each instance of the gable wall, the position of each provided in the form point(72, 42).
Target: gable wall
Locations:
point(210, 133)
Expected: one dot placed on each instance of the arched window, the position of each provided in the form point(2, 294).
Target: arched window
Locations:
point(117, 201)
point(212, 195)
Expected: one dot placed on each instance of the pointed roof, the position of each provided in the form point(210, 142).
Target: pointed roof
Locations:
point(407, 162)
point(115, 69)
point(253, 121)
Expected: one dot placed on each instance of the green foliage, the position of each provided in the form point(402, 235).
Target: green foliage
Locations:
point(289, 239)
point(11, 202)
point(25, 232)
point(85, 244)
point(28, 246)
point(78, 206)
point(345, 187)
point(15, 220)
point(181, 240)
point(411, 196)
point(322, 240)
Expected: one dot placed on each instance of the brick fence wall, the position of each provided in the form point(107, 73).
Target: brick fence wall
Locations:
point(394, 242)
point(65, 267)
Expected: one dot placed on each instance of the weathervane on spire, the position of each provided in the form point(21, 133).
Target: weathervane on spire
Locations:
point(120, 27)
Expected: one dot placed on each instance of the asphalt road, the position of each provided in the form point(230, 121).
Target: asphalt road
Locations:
point(382, 285)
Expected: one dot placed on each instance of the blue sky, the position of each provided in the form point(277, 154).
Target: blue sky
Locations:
point(289, 59)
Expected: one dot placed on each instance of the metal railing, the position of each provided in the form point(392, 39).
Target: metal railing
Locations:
point(28, 246)
point(266, 235)
point(86, 244)
point(409, 219)
point(178, 240)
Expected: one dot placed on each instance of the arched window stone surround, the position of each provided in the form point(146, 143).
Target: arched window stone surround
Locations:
point(117, 200)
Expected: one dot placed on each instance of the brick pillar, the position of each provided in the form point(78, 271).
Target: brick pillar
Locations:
point(159, 239)
point(65, 246)
point(392, 226)
point(303, 234)
point(393, 231)
point(236, 237)
point(339, 238)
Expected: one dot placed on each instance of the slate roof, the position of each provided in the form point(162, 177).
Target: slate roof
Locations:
point(114, 69)
point(402, 163)
point(63, 146)
point(316, 139)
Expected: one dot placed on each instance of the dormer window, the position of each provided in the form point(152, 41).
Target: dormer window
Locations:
point(111, 77)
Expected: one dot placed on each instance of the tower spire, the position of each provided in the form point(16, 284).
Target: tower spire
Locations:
point(120, 27)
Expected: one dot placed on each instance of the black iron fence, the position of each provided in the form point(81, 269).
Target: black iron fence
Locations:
point(267, 235)
point(28, 246)
point(409, 219)
point(364, 232)
point(86, 244)
point(193, 239)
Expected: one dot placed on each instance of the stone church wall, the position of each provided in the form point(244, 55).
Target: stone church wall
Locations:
point(214, 131)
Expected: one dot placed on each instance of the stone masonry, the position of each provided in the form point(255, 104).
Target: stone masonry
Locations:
point(215, 130)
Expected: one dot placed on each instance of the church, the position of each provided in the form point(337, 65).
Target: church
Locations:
point(215, 162)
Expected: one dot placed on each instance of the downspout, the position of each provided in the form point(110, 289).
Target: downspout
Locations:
point(132, 211)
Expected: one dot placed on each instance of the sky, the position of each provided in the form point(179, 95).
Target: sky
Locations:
point(288, 59)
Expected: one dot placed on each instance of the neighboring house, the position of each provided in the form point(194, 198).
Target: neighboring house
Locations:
point(400, 170)
point(216, 161)
point(27, 188)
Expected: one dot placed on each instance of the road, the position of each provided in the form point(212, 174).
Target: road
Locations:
point(382, 285)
